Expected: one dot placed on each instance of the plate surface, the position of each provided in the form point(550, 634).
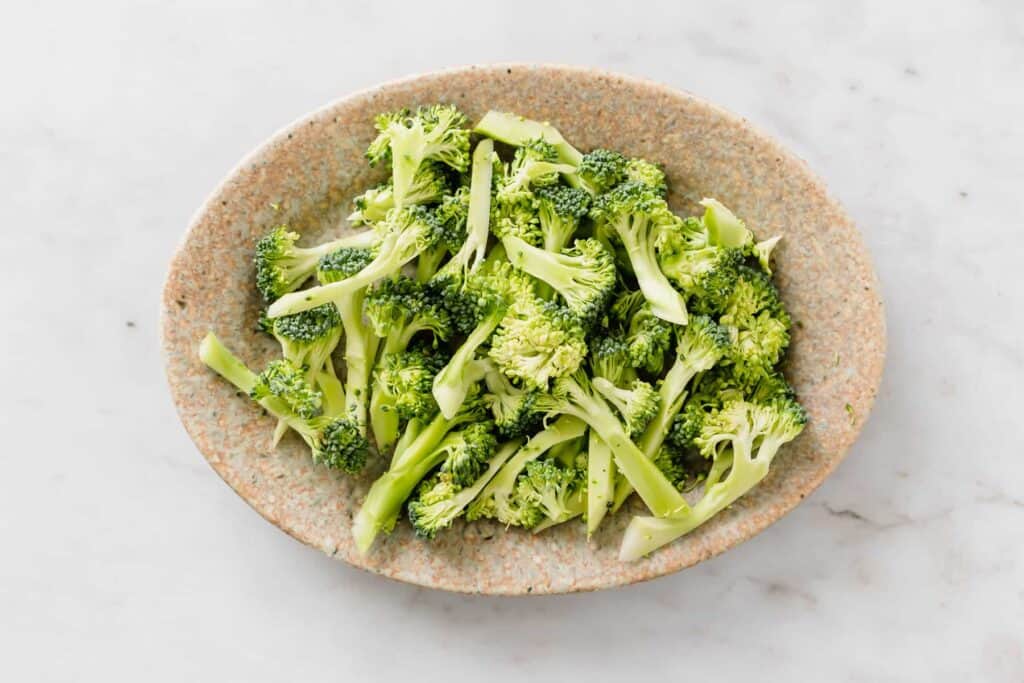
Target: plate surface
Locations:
point(306, 175)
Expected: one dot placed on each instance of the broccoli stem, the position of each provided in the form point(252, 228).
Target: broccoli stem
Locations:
point(657, 492)
point(454, 380)
point(474, 249)
point(646, 534)
point(334, 393)
point(360, 351)
point(666, 302)
point(426, 439)
point(672, 392)
point(218, 358)
point(384, 500)
point(563, 429)
point(600, 481)
point(515, 130)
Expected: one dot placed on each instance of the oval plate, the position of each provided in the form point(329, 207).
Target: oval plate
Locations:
point(306, 175)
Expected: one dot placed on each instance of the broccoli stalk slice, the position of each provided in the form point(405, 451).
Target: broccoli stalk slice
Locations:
point(333, 390)
point(428, 518)
point(360, 351)
point(496, 499)
point(516, 130)
point(455, 379)
point(600, 481)
point(763, 251)
point(384, 500)
point(580, 400)
point(219, 358)
point(471, 254)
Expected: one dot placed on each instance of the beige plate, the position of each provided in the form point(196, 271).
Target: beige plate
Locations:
point(306, 175)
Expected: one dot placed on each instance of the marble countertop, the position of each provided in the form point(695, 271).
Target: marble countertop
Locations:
point(124, 554)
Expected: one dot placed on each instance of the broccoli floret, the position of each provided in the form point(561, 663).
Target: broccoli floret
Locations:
point(584, 276)
point(433, 133)
point(646, 173)
point(451, 215)
point(440, 500)
point(282, 267)
point(647, 336)
point(512, 406)
point(518, 131)
point(559, 212)
point(708, 274)
point(556, 492)
point(401, 307)
point(401, 237)
point(283, 392)
point(610, 358)
point(632, 215)
point(360, 342)
point(470, 254)
point(758, 326)
point(574, 395)
point(637, 404)
point(535, 164)
point(517, 217)
point(498, 500)
point(384, 500)
point(309, 338)
point(748, 436)
point(402, 390)
point(537, 341)
point(429, 186)
point(602, 169)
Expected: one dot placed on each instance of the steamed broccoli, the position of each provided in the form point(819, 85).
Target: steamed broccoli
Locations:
point(408, 140)
point(748, 436)
point(499, 499)
point(584, 275)
point(559, 212)
point(360, 342)
point(637, 404)
point(555, 492)
point(463, 455)
point(511, 406)
point(400, 238)
point(283, 392)
point(282, 267)
point(632, 215)
point(441, 499)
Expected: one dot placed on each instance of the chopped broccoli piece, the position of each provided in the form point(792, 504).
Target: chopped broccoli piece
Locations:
point(282, 267)
point(516, 130)
point(600, 481)
point(637, 405)
point(402, 390)
point(559, 212)
point(632, 215)
point(647, 337)
point(602, 169)
point(644, 172)
point(512, 406)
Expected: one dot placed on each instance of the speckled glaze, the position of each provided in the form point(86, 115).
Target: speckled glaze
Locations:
point(306, 175)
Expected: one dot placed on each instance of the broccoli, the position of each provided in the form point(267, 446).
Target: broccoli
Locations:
point(470, 254)
point(762, 251)
point(473, 444)
point(334, 441)
point(535, 164)
point(584, 275)
point(499, 499)
point(282, 267)
point(360, 342)
point(555, 491)
point(723, 228)
point(478, 308)
point(402, 390)
point(748, 435)
point(602, 169)
point(440, 500)
point(600, 481)
point(700, 345)
point(637, 404)
point(537, 341)
point(758, 326)
point(559, 212)
point(401, 237)
point(517, 216)
point(632, 215)
point(518, 131)
point(408, 140)
point(451, 215)
point(646, 173)
point(430, 185)
point(646, 336)
point(309, 338)
point(574, 395)
point(610, 358)
point(511, 406)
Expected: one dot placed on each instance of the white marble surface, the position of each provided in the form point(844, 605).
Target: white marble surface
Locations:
point(125, 558)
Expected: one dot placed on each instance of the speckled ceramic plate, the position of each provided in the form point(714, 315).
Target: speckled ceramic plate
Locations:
point(306, 175)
